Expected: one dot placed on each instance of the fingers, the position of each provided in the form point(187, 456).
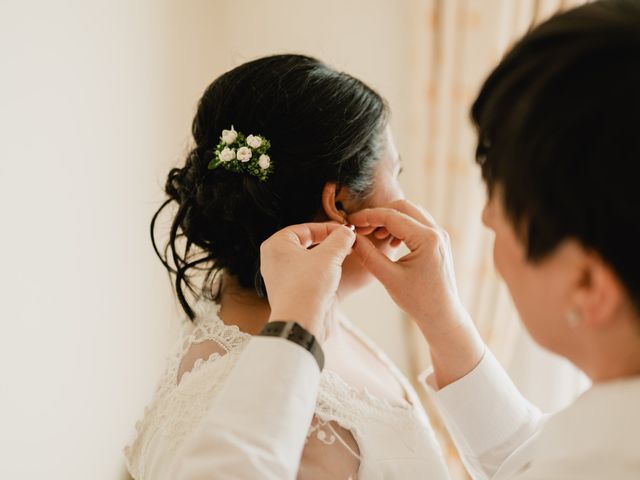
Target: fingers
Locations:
point(338, 244)
point(414, 211)
point(374, 260)
point(381, 233)
point(411, 209)
point(399, 225)
point(308, 234)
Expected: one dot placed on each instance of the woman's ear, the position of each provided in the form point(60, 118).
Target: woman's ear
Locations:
point(599, 294)
point(606, 294)
point(333, 200)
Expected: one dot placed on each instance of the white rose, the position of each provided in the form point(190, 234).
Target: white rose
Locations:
point(254, 141)
point(264, 161)
point(244, 154)
point(227, 154)
point(229, 136)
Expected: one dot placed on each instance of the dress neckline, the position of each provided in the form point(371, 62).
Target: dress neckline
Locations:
point(208, 312)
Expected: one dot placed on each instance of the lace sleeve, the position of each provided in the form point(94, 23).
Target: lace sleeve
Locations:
point(197, 353)
point(198, 367)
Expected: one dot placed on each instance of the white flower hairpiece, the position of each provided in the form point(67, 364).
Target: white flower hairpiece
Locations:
point(241, 154)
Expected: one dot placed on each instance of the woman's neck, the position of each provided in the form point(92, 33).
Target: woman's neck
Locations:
point(243, 307)
point(611, 354)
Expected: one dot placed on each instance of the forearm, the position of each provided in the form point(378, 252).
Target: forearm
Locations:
point(483, 410)
point(455, 347)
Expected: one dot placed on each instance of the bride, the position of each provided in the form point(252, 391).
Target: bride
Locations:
point(278, 141)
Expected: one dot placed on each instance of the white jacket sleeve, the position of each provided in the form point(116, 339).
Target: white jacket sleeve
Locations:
point(257, 423)
point(486, 415)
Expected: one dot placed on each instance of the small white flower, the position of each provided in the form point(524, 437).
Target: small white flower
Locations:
point(227, 154)
point(264, 161)
point(254, 141)
point(244, 154)
point(229, 136)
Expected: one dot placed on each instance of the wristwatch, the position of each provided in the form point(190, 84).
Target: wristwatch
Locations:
point(294, 332)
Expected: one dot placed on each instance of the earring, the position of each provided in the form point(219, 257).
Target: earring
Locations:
point(573, 318)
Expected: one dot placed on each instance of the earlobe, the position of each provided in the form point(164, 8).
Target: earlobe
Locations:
point(342, 212)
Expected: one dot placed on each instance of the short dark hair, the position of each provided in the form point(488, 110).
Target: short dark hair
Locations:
point(323, 125)
point(559, 130)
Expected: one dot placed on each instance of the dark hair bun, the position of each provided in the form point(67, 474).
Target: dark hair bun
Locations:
point(323, 125)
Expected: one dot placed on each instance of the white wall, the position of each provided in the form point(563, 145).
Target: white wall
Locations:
point(96, 102)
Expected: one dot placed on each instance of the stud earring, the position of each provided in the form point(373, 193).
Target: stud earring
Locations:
point(573, 318)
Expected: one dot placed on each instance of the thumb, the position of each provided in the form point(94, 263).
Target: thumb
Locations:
point(374, 260)
point(338, 244)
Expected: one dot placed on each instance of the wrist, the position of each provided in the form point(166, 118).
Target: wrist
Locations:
point(307, 321)
point(296, 333)
point(455, 350)
point(439, 327)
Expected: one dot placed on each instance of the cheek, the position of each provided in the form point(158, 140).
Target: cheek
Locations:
point(504, 257)
point(536, 289)
point(386, 192)
point(511, 268)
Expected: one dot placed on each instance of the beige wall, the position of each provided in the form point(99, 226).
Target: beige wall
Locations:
point(96, 103)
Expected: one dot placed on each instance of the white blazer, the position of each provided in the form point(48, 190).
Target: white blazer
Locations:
point(253, 430)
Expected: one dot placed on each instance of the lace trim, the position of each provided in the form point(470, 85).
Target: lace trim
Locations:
point(412, 397)
point(330, 438)
point(208, 326)
point(337, 400)
point(340, 402)
point(193, 393)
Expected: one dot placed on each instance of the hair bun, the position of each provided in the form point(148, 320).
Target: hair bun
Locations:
point(223, 216)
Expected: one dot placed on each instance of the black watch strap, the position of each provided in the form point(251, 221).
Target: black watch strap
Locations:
point(295, 333)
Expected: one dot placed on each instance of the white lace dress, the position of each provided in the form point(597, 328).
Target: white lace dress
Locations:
point(353, 434)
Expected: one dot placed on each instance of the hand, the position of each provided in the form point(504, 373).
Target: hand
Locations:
point(422, 283)
point(301, 282)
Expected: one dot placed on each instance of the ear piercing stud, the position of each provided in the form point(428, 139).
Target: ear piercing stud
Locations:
point(573, 318)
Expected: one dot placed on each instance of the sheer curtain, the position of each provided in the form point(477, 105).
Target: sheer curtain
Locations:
point(460, 41)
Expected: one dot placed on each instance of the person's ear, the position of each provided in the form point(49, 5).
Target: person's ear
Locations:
point(599, 292)
point(333, 202)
